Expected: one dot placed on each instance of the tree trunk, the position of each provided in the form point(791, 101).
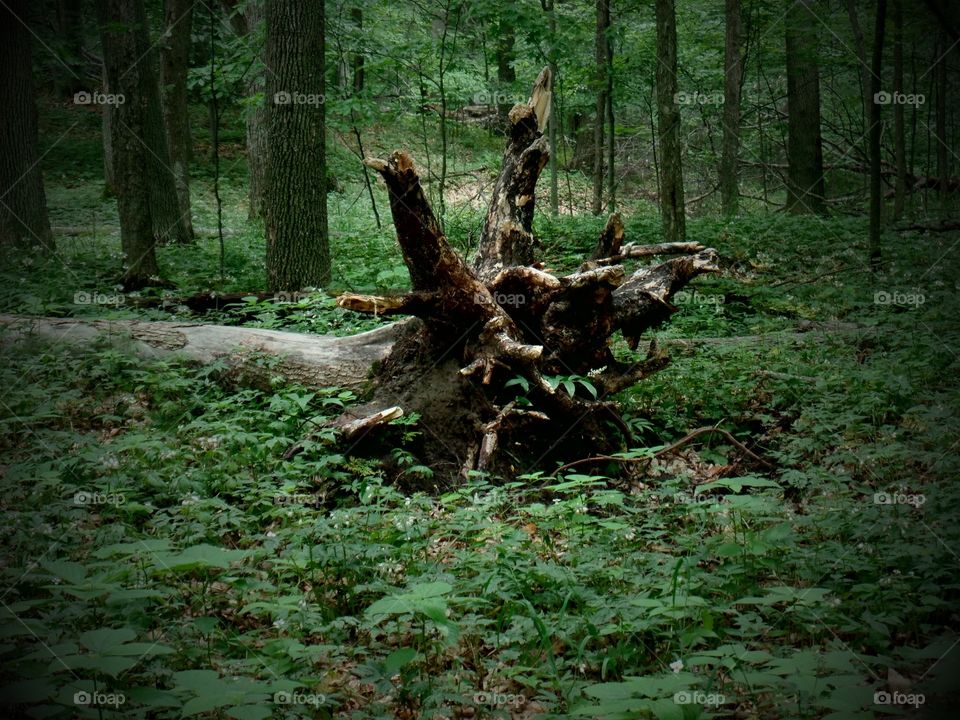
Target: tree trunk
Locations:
point(548, 6)
point(601, 88)
point(805, 182)
point(174, 62)
point(672, 206)
point(733, 78)
point(312, 360)
point(298, 252)
point(70, 29)
point(124, 40)
point(110, 188)
point(256, 117)
point(876, 132)
point(23, 204)
point(943, 159)
point(611, 127)
point(506, 74)
point(899, 131)
point(356, 15)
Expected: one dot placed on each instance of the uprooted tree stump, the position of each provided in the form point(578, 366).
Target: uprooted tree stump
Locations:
point(476, 366)
point(480, 359)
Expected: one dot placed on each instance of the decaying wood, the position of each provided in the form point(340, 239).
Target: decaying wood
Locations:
point(316, 361)
point(478, 365)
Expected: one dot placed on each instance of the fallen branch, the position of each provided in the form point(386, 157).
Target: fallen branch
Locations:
point(672, 447)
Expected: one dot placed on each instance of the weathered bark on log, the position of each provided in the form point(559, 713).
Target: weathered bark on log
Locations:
point(315, 361)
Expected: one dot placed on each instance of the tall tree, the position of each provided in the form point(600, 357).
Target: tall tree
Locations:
point(23, 204)
point(672, 208)
point(601, 89)
point(506, 74)
point(134, 122)
point(246, 21)
point(356, 15)
point(943, 159)
point(876, 130)
point(298, 251)
point(732, 82)
point(549, 7)
point(124, 30)
point(174, 63)
point(805, 183)
point(899, 126)
point(611, 128)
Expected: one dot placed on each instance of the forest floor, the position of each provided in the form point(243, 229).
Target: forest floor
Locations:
point(161, 559)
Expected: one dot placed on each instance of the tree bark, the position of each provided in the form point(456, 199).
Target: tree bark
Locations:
point(899, 130)
point(672, 206)
point(256, 116)
point(129, 59)
point(732, 81)
point(943, 158)
point(805, 182)
point(552, 130)
point(506, 74)
point(174, 63)
point(356, 15)
point(124, 40)
point(315, 361)
point(601, 87)
point(876, 132)
point(298, 251)
point(24, 221)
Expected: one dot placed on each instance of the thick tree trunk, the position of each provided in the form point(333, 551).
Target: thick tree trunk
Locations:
point(876, 131)
point(732, 81)
point(601, 88)
point(70, 29)
point(174, 63)
point(137, 123)
point(805, 182)
point(23, 205)
point(943, 157)
point(298, 251)
point(899, 130)
point(256, 117)
point(553, 128)
point(314, 361)
point(672, 206)
point(356, 15)
point(506, 74)
point(123, 46)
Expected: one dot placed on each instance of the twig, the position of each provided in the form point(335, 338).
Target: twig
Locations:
point(671, 448)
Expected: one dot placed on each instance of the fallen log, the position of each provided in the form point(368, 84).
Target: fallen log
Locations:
point(316, 361)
